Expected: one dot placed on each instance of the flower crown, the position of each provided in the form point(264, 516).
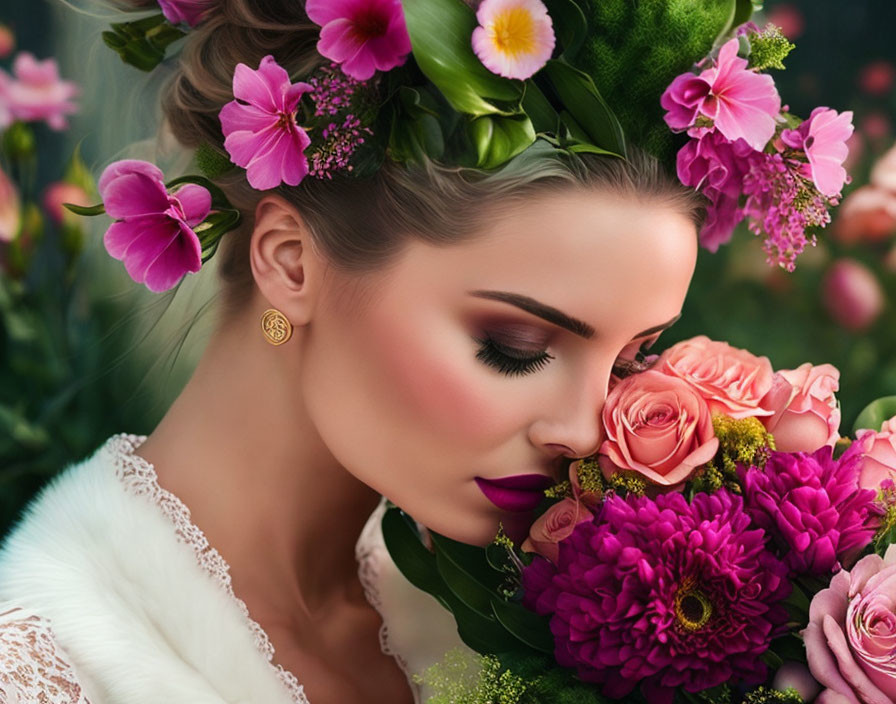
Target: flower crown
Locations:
point(474, 84)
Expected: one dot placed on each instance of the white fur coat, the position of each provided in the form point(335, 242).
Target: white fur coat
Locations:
point(142, 621)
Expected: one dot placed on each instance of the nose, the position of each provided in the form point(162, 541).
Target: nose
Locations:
point(575, 430)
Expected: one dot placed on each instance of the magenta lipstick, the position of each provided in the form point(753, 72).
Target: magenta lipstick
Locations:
point(519, 493)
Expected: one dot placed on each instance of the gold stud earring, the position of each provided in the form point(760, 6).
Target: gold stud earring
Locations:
point(275, 326)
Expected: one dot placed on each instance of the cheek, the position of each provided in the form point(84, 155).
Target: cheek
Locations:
point(435, 384)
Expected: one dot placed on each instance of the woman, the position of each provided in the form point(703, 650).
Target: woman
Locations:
point(445, 329)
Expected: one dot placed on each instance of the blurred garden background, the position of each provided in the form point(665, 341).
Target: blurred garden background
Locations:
point(84, 353)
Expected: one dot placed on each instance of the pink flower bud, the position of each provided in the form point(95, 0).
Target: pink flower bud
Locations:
point(60, 192)
point(877, 77)
point(10, 209)
point(795, 675)
point(7, 41)
point(852, 294)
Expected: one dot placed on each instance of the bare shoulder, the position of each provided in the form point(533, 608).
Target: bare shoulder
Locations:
point(33, 667)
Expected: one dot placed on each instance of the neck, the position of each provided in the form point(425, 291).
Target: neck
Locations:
point(238, 448)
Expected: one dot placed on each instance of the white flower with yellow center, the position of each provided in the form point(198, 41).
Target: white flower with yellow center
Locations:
point(514, 38)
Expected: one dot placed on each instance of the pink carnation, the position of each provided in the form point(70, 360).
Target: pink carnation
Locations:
point(716, 167)
point(741, 103)
point(260, 128)
point(189, 11)
point(363, 36)
point(823, 137)
point(154, 235)
point(37, 92)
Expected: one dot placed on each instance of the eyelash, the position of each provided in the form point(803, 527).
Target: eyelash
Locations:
point(514, 362)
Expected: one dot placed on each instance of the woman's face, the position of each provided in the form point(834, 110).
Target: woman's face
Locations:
point(490, 359)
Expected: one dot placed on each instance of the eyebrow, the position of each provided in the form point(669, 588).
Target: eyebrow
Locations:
point(555, 316)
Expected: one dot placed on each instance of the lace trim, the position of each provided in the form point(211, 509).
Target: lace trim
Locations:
point(140, 477)
point(32, 668)
point(367, 554)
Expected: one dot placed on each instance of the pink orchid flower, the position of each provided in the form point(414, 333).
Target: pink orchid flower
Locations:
point(154, 234)
point(823, 137)
point(192, 12)
point(741, 103)
point(37, 92)
point(363, 36)
point(260, 128)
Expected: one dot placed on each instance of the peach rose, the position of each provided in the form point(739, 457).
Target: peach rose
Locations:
point(879, 455)
point(658, 426)
point(732, 381)
point(811, 416)
point(852, 634)
point(555, 524)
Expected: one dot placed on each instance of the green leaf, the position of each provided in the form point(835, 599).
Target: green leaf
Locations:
point(441, 32)
point(213, 228)
point(464, 586)
point(498, 139)
point(415, 129)
point(570, 25)
point(411, 557)
point(142, 43)
point(539, 109)
point(742, 12)
point(529, 627)
point(578, 94)
point(85, 211)
point(875, 413)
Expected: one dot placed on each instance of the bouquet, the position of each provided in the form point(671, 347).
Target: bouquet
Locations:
point(724, 545)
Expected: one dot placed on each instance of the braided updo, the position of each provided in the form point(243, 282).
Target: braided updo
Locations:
point(360, 225)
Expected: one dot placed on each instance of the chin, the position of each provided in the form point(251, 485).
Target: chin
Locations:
point(481, 530)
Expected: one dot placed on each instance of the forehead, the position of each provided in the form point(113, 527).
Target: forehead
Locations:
point(600, 257)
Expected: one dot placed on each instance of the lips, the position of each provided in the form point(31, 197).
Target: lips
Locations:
point(521, 492)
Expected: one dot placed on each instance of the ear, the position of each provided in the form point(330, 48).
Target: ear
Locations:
point(287, 268)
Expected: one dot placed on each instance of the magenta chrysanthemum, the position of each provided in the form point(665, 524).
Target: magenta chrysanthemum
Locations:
point(813, 506)
point(739, 102)
point(781, 204)
point(662, 593)
point(260, 127)
point(364, 36)
point(154, 234)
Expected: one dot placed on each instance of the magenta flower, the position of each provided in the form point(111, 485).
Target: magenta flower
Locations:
point(716, 167)
point(781, 206)
point(515, 38)
point(154, 234)
point(741, 103)
point(6, 118)
point(189, 11)
point(662, 593)
point(813, 506)
point(260, 128)
point(363, 36)
point(37, 92)
point(823, 137)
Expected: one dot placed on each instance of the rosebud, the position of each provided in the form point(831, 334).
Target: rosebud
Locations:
point(7, 41)
point(852, 294)
point(61, 192)
point(795, 675)
point(10, 209)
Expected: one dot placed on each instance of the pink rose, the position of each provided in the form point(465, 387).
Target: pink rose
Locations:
point(657, 426)
point(732, 381)
point(555, 524)
point(811, 416)
point(879, 455)
point(852, 294)
point(851, 634)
